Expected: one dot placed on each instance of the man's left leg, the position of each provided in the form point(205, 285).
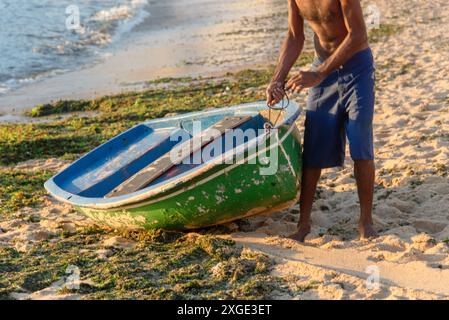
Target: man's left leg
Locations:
point(364, 173)
point(358, 99)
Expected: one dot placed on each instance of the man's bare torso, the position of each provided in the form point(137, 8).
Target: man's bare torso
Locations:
point(325, 17)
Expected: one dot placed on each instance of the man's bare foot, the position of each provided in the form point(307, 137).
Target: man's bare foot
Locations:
point(366, 231)
point(301, 234)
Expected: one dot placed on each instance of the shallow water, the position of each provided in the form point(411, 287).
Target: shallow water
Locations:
point(38, 38)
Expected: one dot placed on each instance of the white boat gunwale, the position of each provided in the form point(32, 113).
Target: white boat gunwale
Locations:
point(148, 194)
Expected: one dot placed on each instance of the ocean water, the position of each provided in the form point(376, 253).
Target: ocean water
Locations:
point(40, 38)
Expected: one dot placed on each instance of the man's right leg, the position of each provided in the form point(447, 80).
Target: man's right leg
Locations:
point(324, 144)
point(309, 183)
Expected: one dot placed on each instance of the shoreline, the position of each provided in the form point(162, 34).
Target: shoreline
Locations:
point(205, 48)
point(143, 83)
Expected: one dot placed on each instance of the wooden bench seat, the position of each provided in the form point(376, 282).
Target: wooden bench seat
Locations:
point(154, 170)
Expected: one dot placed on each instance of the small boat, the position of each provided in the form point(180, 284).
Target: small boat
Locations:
point(183, 172)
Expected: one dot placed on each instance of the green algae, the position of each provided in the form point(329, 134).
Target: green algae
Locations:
point(181, 266)
point(383, 32)
point(20, 188)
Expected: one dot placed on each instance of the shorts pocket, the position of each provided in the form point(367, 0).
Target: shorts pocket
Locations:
point(313, 98)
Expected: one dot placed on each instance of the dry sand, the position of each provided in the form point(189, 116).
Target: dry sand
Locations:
point(412, 188)
point(412, 192)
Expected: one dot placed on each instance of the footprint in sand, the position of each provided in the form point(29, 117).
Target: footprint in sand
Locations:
point(401, 205)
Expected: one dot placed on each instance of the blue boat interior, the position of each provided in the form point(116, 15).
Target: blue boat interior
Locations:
point(102, 170)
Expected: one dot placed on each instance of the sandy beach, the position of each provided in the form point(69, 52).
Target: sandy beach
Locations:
point(411, 207)
point(412, 192)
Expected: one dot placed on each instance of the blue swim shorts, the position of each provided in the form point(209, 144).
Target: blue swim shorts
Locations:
point(341, 106)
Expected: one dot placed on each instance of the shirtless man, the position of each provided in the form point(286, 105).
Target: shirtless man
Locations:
point(340, 102)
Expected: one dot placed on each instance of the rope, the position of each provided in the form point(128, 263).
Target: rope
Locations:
point(283, 106)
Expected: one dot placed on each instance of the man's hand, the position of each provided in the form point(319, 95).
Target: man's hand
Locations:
point(275, 93)
point(303, 80)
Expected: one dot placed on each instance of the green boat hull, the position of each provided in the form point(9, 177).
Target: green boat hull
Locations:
point(222, 194)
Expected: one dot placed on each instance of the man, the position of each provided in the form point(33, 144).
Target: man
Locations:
point(340, 102)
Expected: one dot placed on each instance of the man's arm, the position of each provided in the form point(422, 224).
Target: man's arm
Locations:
point(290, 51)
point(355, 40)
